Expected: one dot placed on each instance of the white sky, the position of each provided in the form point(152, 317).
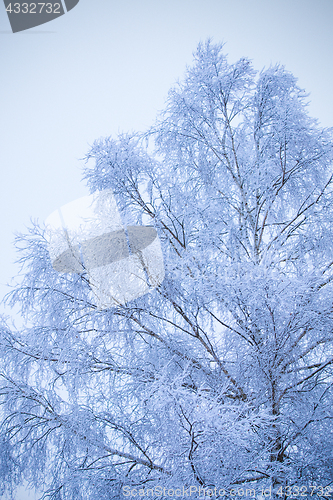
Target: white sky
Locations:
point(106, 67)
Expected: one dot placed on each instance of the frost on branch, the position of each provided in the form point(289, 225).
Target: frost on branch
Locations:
point(221, 375)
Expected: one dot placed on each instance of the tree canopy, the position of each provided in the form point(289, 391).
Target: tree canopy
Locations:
point(222, 375)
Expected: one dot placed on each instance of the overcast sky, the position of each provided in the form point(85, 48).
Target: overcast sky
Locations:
point(106, 67)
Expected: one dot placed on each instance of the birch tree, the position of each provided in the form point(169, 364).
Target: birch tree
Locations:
point(222, 376)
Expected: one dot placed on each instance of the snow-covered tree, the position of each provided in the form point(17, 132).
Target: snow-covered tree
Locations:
point(222, 376)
